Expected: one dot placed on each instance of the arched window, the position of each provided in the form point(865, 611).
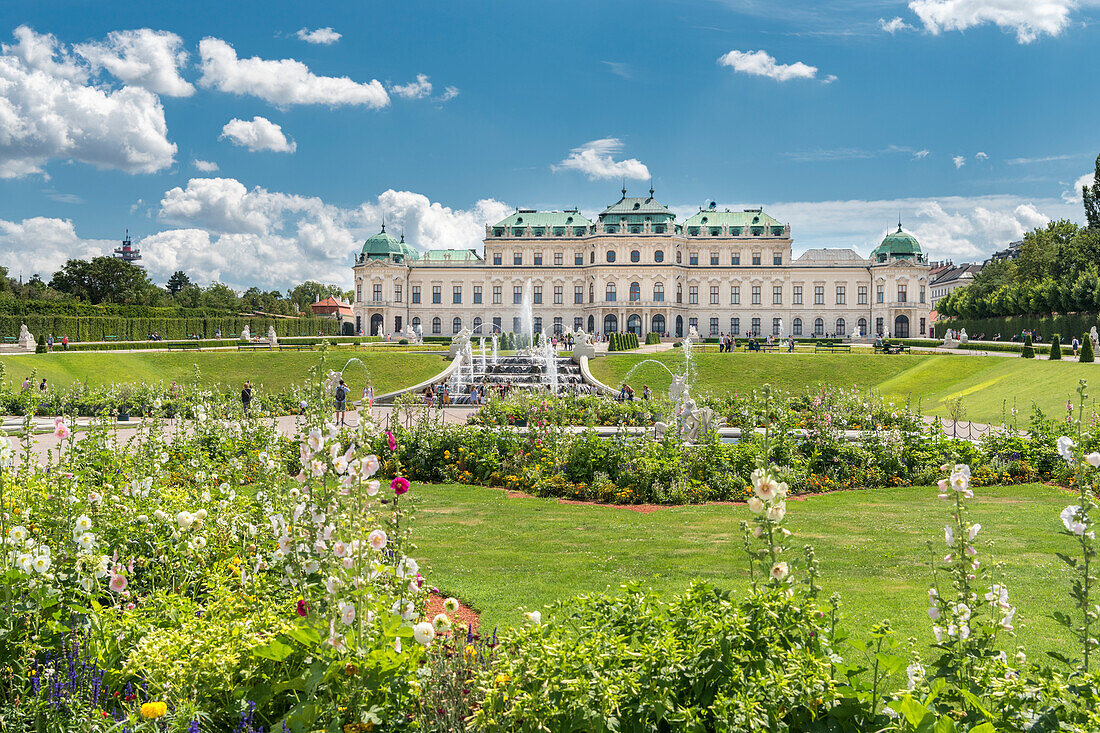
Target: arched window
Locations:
point(557, 326)
point(416, 322)
point(659, 292)
point(819, 327)
point(658, 324)
point(901, 327)
point(610, 255)
point(437, 325)
point(679, 293)
point(862, 326)
point(635, 255)
point(477, 324)
point(840, 326)
point(592, 324)
point(635, 291)
point(609, 293)
point(456, 325)
point(796, 327)
point(659, 256)
point(610, 323)
point(679, 257)
point(634, 324)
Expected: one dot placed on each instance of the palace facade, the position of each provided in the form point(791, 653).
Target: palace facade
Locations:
point(636, 268)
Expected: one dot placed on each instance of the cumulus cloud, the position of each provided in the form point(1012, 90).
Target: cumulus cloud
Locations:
point(1073, 194)
point(1029, 19)
point(143, 58)
point(959, 161)
point(980, 157)
point(414, 89)
point(283, 82)
point(894, 25)
point(318, 36)
point(42, 245)
point(206, 166)
point(244, 237)
point(595, 160)
point(259, 134)
point(49, 110)
point(761, 63)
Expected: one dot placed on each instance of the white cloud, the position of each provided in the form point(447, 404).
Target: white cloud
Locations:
point(414, 89)
point(318, 36)
point(259, 134)
point(48, 110)
point(42, 245)
point(143, 58)
point(894, 25)
point(1073, 194)
point(921, 154)
point(1042, 159)
point(1028, 18)
point(282, 83)
point(980, 157)
point(247, 237)
point(959, 161)
point(206, 166)
point(595, 160)
point(760, 63)
point(448, 94)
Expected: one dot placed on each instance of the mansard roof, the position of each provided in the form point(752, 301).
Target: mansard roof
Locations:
point(533, 218)
point(746, 218)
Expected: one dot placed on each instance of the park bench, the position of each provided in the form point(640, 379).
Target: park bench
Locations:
point(295, 347)
point(10, 339)
point(893, 349)
point(110, 338)
point(253, 347)
point(194, 345)
point(831, 347)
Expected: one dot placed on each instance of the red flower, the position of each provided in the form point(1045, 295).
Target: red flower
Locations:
point(391, 441)
point(303, 607)
point(399, 485)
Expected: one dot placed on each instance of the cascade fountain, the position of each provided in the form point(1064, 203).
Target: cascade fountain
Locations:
point(527, 318)
point(483, 354)
point(494, 348)
point(549, 354)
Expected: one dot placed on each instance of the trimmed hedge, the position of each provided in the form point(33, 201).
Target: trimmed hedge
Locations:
point(1086, 350)
point(1055, 348)
point(622, 342)
point(207, 343)
point(652, 338)
point(1029, 350)
point(98, 328)
point(1044, 325)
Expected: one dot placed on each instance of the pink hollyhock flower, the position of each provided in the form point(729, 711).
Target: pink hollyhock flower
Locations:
point(399, 485)
point(391, 441)
point(118, 583)
point(303, 607)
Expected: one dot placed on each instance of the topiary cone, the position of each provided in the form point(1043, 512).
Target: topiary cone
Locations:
point(1055, 348)
point(1086, 350)
point(1029, 349)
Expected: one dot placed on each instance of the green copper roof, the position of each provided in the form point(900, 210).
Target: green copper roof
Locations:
point(898, 244)
point(631, 207)
point(531, 218)
point(451, 255)
point(383, 245)
point(727, 218)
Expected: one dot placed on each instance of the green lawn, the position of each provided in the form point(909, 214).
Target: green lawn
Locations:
point(272, 370)
point(986, 384)
point(499, 553)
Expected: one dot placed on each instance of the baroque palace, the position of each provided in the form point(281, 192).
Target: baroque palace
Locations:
point(637, 269)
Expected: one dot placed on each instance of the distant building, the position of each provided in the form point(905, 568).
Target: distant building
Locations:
point(332, 308)
point(128, 252)
point(948, 277)
point(1011, 252)
point(636, 268)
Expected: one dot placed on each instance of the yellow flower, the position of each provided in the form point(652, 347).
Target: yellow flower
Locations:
point(501, 679)
point(153, 709)
point(446, 454)
point(470, 653)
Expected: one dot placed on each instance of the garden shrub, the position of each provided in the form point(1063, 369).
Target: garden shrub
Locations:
point(40, 347)
point(1086, 350)
point(652, 338)
point(1029, 350)
point(1055, 348)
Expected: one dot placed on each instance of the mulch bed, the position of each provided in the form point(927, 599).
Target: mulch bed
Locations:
point(464, 615)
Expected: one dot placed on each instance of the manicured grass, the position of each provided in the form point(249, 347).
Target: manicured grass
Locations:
point(499, 553)
point(987, 385)
point(272, 370)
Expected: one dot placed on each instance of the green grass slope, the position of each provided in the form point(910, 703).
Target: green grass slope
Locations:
point(500, 553)
point(272, 370)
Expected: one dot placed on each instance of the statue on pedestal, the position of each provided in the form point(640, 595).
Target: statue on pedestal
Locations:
point(272, 339)
point(246, 335)
point(26, 338)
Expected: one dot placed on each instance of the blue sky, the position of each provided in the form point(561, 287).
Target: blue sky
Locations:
point(256, 143)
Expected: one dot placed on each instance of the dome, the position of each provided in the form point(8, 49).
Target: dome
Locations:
point(898, 245)
point(383, 246)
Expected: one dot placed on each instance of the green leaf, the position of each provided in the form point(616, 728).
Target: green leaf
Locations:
point(934, 689)
point(1071, 561)
point(944, 725)
point(973, 700)
point(985, 727)
point(913, 710)
point(305, 634)
point(274, 650)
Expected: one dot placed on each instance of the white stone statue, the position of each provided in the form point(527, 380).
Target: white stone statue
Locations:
point(677, 391)
point(582, 346)
point(963, 338)
point(1094, 338)
point(693, 333)
point(246, 335)
point(26, 338)
point(272, 339)
point(459, 342)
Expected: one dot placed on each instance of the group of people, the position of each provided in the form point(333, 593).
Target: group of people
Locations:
point(626, 393)
point(339, 396)
point(64, 342)
point(28, 385)
point(727, 344)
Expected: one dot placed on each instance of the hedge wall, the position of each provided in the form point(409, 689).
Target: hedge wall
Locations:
point(622, 341)
point(1069, 325)
point(97, 328)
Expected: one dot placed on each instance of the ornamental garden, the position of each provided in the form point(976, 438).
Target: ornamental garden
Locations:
point(831, 560)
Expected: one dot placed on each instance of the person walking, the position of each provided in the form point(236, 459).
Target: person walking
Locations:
point(341, 395)
point(64, 343)
point(368, 395)
point(246, 397)
point(49, 342)
point(28, 384)
point(42, 388)
point(1076, 345)
point(645, 392)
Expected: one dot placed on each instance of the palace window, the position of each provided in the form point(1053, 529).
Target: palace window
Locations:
point(714, 295)
point(537, 324)
point(456, 325)
point(878, 326)
point(756, 295)
point(756, 326)
point(578, 294)
point(693, 258)
point(558, 297)
point(714, 326)
point(610, 255)
point(477, 295)
point(591, 293)
point(862, 326)
point(498, 295)
point(861, 295)
point(578, 258)
point(693, 323)
point(880, 294)
point(517, 295)
point(578, 323)
point(635, 255)
point(456, 294)
point(359, 292)
point(635, 291)
point(777, 295)
point(796, 327)
point(756, 258)
point(591, 257)
point(496, 324)
point(693, 295)
point(437, 325)
point(609, 293)
point(679, 257)
point(841, 295)
point(517, 258)
point(477, 324)
point(397, 293)
point(558, 259)
point(840, 327)
point(777, 326)
point(735, 258)
point(777, 259)
point(537, 299)
point(735, 295)
point(819, 327)
point(659, 292)
point(819, 295)
point(922, 297)
point(679, 293)
point(377, 292)
point(659, 256)
point(557, 326)
point(735, 326)
point(797, 296)
point(437, 293)
point(714, 258)
point(416, 293)
point(901, 293)
point(415, 323)
point(922, 326)
point(538, 258)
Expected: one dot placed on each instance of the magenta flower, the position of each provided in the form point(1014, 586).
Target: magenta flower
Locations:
point(391, 440)
point(399, 485)
point(303, 607)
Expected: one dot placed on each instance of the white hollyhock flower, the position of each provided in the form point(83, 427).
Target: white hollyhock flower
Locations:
point(17, 533)
point(450, 605)
point(369, 466)
point(441, 623)
point(424, 633)
point(347, 614)
point(780, 571)
point(776, 512)
point(949, 535)
point(1093, 459)
point(377, 539)
point(534, 617)
point(1065, 448)
point(373, 487)
point(755, 505)
point(83, 524)
point(766, 488)
point(915, 673)
point(974, 529)
point(185, 520)
point(86, 541)
point(315, 441)
point(41, 563)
